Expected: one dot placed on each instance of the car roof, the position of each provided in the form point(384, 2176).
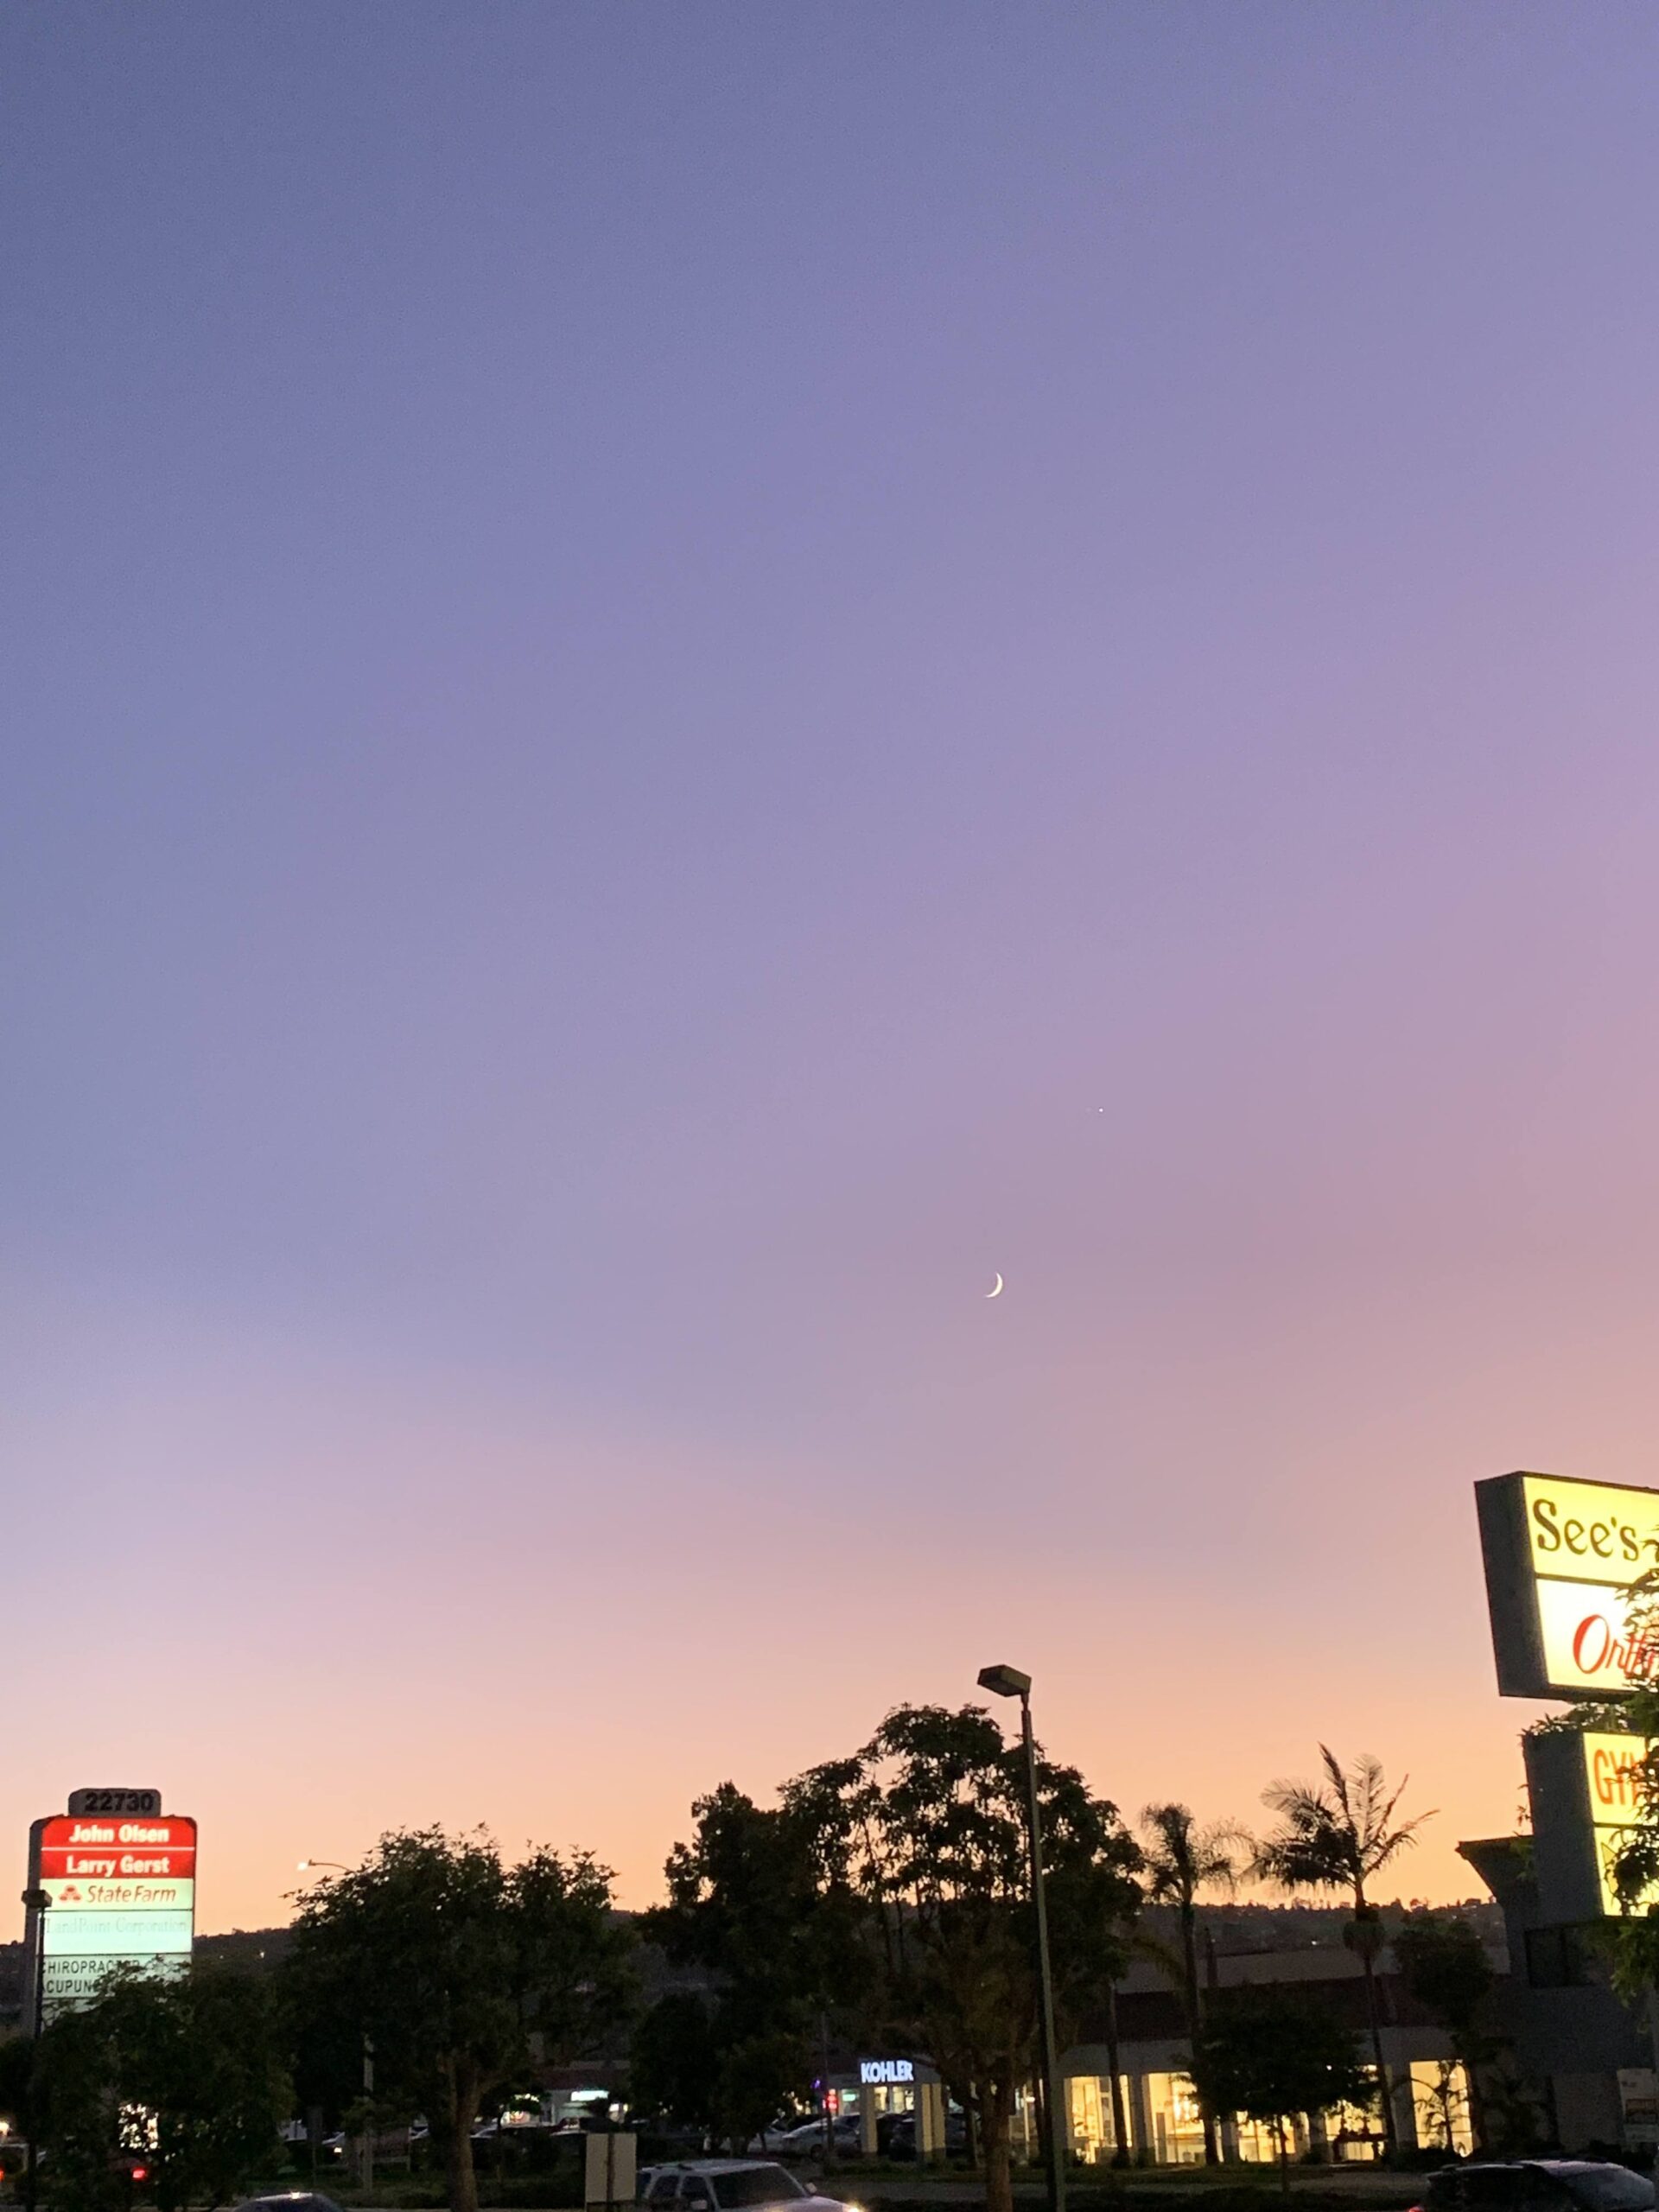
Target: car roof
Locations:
point(715, 2165)
point(1541, 2165)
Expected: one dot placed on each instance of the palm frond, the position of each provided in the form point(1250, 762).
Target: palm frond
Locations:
point(1336, 1834)
point(1404, 1837)
point(1296, 1801)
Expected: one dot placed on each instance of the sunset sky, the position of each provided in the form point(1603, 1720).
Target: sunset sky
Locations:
point(682, 679)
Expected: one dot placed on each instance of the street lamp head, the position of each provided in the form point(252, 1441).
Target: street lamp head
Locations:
point(1005, 1681)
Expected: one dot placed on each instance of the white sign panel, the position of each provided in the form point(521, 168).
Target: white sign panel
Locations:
point(1587, 1645)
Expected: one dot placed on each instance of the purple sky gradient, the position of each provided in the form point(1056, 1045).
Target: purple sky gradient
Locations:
point(680, 679)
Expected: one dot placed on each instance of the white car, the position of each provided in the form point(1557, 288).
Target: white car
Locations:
point(732, 2185)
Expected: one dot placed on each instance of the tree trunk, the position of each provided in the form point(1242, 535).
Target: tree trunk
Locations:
point(459, 2181)
point(1366, 1922)
point(996, 2118)
point(1382, 2088)
point(1476, 2094)
point(1195, 2020)
point(1119, 2116)
point(452, 2126)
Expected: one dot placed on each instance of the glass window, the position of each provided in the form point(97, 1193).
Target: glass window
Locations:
point(755, 2185)
point(1355, 2132)
point(1176, 2123)
point(1610, 2188)
point(1556, 1958)
point(1492, 2189)
point(1439, 2096)
point(1094, 2139)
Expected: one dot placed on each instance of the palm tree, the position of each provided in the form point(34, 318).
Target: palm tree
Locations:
point(1337, 1834)
point(1180, 1860)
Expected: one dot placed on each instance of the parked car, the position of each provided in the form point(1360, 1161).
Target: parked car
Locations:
point(289, 2200)
point(732, 2185)
point(803, 2138)
point(901, 2137)
point(1537, 2185)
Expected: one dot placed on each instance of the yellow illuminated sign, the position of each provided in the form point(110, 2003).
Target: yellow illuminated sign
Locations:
point(1561, 1557)
point(1613, 1777)
point(1590, 1532)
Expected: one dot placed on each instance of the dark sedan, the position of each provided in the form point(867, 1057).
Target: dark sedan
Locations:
point(1538, 2185)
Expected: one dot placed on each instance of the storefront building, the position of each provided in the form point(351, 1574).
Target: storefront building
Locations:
point(880, 2088)
point(1161, 2119)
point(1164, 2126)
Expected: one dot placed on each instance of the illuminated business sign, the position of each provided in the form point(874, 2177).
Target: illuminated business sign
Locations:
point(1584, 1787)
point(875, 2070)
point(110, 1890)
point(1560, 1555)
point(1612, 1782)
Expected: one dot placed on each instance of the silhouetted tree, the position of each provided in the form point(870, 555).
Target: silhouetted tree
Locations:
point(181, 2072)
point(674, 2062)
point(1444, 1964)
point(450, 1960)
point(1270, 2055)
point(926, 1825)
point(1181, 1858)
point(747, 1902)
point(1337, 1834)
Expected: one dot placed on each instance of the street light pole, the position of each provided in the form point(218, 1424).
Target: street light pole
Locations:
point(38, 1901)
point(1008, 1682)
point(366, 2153)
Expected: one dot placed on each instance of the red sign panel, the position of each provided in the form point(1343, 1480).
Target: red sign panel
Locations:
point(119, 1848)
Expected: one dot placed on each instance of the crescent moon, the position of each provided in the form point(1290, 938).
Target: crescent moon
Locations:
point(997, 1291)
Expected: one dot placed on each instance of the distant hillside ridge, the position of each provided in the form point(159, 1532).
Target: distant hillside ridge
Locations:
point(1233, 1927)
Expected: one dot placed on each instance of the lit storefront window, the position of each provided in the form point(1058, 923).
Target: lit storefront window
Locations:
point(1170, 2104)
point(1439, 2096)
point(1176, 2123)
point(1355, 2132)
point(1093, 2139)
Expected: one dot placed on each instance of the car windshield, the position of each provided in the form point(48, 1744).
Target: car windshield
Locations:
point(1610, 2188)
point(754, 2185)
